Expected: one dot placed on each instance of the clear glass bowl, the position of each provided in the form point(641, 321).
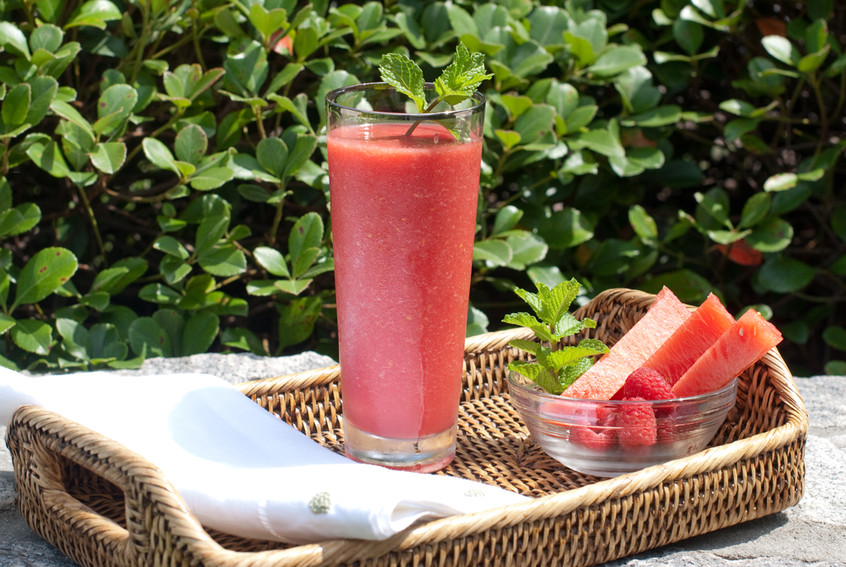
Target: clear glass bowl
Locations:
point(590, 436)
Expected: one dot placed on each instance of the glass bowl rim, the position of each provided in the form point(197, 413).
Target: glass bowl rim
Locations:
point(528, 390)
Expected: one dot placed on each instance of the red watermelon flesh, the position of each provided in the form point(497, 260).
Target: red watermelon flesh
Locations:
point(609, 373)
point(747, 340)
point(691, 339)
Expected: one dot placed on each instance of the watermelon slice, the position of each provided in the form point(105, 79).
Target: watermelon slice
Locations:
point(603, 379)
point(700, 331)
point(746, 341)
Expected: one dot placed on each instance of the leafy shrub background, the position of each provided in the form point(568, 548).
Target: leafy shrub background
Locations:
point(163, 186)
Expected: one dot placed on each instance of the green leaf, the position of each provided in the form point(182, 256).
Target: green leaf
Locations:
point(462, 77)
point(689, 286)
point(405, 76)
point(33, 336)
point(243, 339)
point(46, 154)
point(531, 347)
point(272, 155)
point(297, 318)
point(43, 274)
point(526, 249)
point(782, 274)
point(781, 48)
point(191, 144)
point(97, 300)
point(521, 319)
point(159, 293)
point(567, 228)
point(21, 219)
point(94, 13)
point(264, 288)
point(537, 374)
point(509, 138)
point(211, 178)
point(199, 333)
point(224, 260)
point(534, 123)
point(271, 260)
point(835, 337)
point(300, 153)
point(756, 209)
point(159, 155)
point(108, 157)
point(169, 245)
point(114, 108)
point(644, 225)
point(11, 36)
point(772, 235)
point(16, 105)
point(781, 182)
point(688, 35)
point(70, 114)
point(106, 279)
point(506, 219)
point(305, 238)
point(496, 252)
point(148, 338)
point(617, 59)
point(44, 90)
point(600, 141)
point(811, 62)
point(656, 117)
point(6, 323)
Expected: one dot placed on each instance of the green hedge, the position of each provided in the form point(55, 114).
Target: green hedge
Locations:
point(163, 186)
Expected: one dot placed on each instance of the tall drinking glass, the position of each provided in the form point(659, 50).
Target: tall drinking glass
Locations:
point(404, 189)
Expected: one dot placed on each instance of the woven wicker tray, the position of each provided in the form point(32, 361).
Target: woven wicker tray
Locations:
point(101, 504)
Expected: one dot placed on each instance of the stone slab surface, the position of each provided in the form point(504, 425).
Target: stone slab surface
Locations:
point(813, 533)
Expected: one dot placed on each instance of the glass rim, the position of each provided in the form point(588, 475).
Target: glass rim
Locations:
point(332, 96)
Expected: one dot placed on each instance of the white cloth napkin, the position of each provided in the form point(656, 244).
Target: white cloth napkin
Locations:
point(240, 469)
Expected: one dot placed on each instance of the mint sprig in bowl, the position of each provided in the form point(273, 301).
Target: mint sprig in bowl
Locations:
point(554, 367)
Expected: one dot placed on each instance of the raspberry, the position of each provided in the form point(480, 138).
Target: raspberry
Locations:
point(590, 438)
point(637, 424)
point(646, 383)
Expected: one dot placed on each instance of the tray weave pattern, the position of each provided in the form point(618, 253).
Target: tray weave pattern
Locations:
point(103, 505)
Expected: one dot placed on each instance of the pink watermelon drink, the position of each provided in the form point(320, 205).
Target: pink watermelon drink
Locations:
point(403, 220)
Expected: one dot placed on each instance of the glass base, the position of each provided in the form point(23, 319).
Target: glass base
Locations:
point(428, 454)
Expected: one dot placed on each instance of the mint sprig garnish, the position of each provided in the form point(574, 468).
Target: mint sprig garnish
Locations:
point(553, 369)
point(459, 80)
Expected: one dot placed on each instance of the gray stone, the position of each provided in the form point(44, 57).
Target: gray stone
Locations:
point(813, 533)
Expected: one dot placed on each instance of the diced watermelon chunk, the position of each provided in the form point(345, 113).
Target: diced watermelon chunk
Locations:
point(609, 373)
point(746, 341)
point(691, 339)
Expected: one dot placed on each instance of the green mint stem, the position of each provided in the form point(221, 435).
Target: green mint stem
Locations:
point(429, 108)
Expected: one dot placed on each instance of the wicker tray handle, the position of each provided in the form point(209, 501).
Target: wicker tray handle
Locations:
point(52, 445)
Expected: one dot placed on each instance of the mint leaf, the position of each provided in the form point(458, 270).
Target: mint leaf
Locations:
point(405, 76)
point(462, 77)
point(525, 320)
point(537, 374)
point(570, 373)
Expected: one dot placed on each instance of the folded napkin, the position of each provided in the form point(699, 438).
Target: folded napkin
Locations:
point(240, 469)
